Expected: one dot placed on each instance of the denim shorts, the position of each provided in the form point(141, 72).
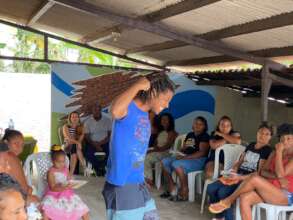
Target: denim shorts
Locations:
point(171, 163)
point(289, 196)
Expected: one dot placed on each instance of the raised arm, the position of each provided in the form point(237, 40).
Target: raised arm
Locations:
point(120, 104)
point(214, 144)
point(231, 138)
point(281, 170)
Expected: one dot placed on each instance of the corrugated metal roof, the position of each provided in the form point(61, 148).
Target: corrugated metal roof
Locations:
point(75, 24)
point(227, 13)
point(182, 53)
point(277, 37)
point(18, 10)
point(133, 8)
point(135, 38)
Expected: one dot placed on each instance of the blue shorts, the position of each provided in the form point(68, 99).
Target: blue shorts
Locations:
point(129, 202)
point(171, 163)
point(289, 196)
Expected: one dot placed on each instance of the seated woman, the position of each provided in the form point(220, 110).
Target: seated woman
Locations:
point(163, 143)
point(224, 134)
point(275, 186)
point(73, 133)
point(195, 148)
point(154, 128)
point(12, 164)
point(14, 140)
point(12, 202)
point(251, 161)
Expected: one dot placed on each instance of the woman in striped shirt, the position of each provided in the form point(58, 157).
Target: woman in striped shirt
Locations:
point(73, 133)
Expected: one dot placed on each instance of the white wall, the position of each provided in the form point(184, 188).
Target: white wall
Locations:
point(25, 98)
point(246, 112)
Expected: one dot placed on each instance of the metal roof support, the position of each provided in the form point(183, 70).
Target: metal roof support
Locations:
point(266, 84)
point(45, 6)
point(27, 28)
point(164, 13)
point(276, 21)
point(168, 32)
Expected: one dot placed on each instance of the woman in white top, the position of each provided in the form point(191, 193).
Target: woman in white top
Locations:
point(164, 141)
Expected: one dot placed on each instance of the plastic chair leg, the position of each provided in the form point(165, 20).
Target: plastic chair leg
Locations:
point(271, 214)
point(199, 183)
point(204, 193)
point(158, 174)
point(238, 214)
point(191, 187)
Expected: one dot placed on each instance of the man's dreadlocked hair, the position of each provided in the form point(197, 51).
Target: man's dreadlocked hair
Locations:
point(160, 83)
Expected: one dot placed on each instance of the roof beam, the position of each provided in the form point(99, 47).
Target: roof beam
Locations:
point(176, 9)
point(271, 52)
point(156, 47)
point(45, 6)
point(284, 81)
point(168, 32)
point(164, 13)
point(235, 30)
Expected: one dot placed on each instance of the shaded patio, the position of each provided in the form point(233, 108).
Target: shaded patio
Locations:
point(92, 196)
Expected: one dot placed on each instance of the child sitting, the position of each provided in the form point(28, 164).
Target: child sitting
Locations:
point(60, 202)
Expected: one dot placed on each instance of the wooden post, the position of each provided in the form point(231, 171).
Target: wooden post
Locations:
point(266, 83)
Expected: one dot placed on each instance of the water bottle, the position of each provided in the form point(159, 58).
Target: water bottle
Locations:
point(11, 124)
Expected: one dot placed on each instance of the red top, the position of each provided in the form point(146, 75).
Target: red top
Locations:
point(276, 182)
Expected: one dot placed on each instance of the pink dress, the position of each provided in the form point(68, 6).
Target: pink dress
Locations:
point(65, 205)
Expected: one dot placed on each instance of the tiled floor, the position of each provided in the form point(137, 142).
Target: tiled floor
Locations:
point(91, 194)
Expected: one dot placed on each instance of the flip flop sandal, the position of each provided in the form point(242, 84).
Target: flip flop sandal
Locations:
point(218, 207)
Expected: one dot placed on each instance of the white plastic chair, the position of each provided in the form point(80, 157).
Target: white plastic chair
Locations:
point(43, 163)
point(60, 135)
point(194, 179)
point(178, 143)
point(273, 212)
point(232, 153)
point(238, 214)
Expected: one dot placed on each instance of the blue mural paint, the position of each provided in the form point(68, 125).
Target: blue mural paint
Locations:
point(61, 85)
point(190, 101)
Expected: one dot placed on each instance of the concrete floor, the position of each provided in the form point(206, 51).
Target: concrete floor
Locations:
point(91, 195)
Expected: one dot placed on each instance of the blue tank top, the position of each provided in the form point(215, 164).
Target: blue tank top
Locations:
point(128, 146)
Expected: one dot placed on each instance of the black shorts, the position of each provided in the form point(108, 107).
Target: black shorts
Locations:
point(71, 149)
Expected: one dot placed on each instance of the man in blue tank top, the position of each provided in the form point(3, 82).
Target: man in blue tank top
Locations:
point(125, 192)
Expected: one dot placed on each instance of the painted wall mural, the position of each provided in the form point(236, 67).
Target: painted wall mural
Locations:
point(74, 88)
